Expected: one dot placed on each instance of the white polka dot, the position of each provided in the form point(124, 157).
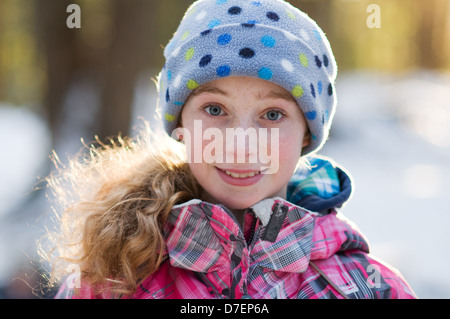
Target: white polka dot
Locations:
point(176, 51)
point(201, 15)
point(176, 82)
point(290, 36)
point(287, 65)
point(305, 35)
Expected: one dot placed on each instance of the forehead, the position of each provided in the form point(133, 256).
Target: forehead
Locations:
point(262, 89)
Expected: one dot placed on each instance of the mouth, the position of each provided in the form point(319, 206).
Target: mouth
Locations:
point(235, 174)
point(240, 177)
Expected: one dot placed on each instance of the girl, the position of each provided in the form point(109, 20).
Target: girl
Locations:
point(248, 210)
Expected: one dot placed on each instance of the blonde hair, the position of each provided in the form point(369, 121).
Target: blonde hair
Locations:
point(111, 205)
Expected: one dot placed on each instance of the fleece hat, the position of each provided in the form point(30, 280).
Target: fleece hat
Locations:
point(267, 39)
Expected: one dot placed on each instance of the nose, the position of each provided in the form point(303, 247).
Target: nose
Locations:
point(241, 143)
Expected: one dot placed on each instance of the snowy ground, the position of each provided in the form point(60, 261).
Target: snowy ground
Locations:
point(392, 133)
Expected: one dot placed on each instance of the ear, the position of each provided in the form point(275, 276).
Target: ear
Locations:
point(306, 139)
point(178, 133)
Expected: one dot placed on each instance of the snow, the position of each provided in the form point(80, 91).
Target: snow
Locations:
point(391, 132)
point(401, 175)
point(25, 148)
point(24, 145)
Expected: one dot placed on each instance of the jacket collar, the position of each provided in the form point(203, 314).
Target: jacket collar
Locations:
point(204, 237)
point(322, 186)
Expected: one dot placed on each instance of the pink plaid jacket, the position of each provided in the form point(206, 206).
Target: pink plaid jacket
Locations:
point(282, 251)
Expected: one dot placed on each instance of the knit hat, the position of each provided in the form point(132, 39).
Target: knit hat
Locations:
point(267, 39)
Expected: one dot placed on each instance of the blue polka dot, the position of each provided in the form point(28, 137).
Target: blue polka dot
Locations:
point(319, 87)
point(313, 91)
point(268, 41)
point(167, 96)
point(330, 89)
point(221, 1)
point(234, 10)
point(317, 35)
point(169, 75)
point(249, 24)
point(325, 60)
point(257, 3)
point(273, 16)
point(206, 32)
point(265, 73)
point(247, 53)
point(311, 115)
point(178, 103)
point(214, 23)
point(205, 60)
point(223, 70)
point(224, 39)
point(318, 62)
point(170, 45)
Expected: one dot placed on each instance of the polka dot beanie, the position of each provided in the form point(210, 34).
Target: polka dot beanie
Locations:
point(267, 39)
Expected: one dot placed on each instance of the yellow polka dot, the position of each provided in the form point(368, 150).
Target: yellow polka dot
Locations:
point(189, 54)
point(303, 59)
point(192, 85)
point(185, 35)
point(297, 91)
point(190, 12)
point(291, 15)
point(169, 117)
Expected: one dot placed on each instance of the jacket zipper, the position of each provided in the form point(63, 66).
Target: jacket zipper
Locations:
point(252, 231)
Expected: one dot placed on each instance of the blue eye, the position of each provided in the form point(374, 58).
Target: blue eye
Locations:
point(214, 110)
point(273, 115)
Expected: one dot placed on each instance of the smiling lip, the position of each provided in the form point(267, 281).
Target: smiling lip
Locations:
point(239, 177)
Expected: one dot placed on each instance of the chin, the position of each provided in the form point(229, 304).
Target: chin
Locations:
point(240, 203)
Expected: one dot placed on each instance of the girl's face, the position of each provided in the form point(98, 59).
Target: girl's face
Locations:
point(222, 123)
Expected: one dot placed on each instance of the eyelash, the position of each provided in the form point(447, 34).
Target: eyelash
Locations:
point(207, 107)
point(283, 115)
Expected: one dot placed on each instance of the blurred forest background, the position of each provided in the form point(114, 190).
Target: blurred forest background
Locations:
point(97, 79)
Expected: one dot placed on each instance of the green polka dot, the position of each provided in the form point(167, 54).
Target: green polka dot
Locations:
point(303, 59)
point(291, 15)
point(169, 117)
point(189, 54)
point(297, 91)
point(191, 11)
point(192, 85)
point(184, 36)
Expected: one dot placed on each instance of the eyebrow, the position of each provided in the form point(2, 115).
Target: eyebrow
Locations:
point(278, 95)
point(208, 88)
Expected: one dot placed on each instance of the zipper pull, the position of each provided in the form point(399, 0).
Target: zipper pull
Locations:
point(275, 223)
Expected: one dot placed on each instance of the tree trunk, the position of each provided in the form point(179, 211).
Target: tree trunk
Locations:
point(129, 56)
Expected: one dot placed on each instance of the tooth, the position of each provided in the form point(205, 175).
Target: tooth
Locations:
point(235, 175)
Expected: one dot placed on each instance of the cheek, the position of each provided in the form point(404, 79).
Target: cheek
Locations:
point(202, 142)
point(290, 148)
point(201, 173)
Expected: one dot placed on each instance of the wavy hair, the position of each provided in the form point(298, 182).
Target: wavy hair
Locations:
point(111, 203)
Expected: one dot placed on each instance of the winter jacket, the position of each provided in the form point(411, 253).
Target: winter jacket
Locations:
point(301, 248)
